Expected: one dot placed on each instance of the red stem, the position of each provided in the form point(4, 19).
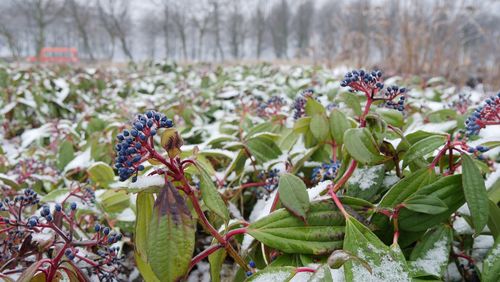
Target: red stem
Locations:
point(304, 269)
point(208, 251)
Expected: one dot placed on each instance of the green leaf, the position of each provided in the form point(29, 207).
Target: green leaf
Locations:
point(475, 193)
point(352, 102)
point(387, 264)
point(361, 146)
point(263, 148)
point(448, 189)
point(288, 138)
point(283, 231)
point(430, 255)
point(293, 195)
point(55, 195)
point(144, 207)
point(211, 197)
point(425, 204)
point(171, 236)
point(401, 191)
point(101, 173)
point(491, 264)
point(114, 201)
point(423, 147)
point(338, 125)
point(275, 274)
point(313, 107)
point(65, 154)
point(319, 127)
point(216, 260)
point(392, 117)
point(365, 182)
point(302, 125)
point(145, 269)
point(494, 219)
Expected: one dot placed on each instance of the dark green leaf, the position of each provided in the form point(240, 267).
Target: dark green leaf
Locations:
point(365, 182)
point(475, 193)
point(352, 102)
point(423, 147)
point(211, 197)
point(425, 204)
point(293, 195)
point(449, 190)
point(65, 154)
point(430, 255)
point(338, 125)
point(263, 149)
point(319, 127)
point(361, 146)
point(491, 264)
point(387, 264)
point(283, 231)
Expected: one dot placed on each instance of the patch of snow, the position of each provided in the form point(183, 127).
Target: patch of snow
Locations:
point(315, 191)
point(461, 226)
point(338, 274)
point(126, 215)
point(235, 212)
point(145, 181)
point(272, 276)
point(390, 180)
point(492, 178)
point(83, 160)
point(364, 178)
point(201, 273)
point(388, 270)
point(302, 276)
point(482, 244)
point(29, 136)
point(434, 258)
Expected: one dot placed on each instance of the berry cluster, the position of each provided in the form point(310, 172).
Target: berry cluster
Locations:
point(371, 84)
point(400, 105)
point(135, 144)
point(487, 114)
point(478, 150)
point(462, 104)
point(27, 169)
point(360, 80)
point(271, 107)
point(271, 179)
point(300, 103)
point(327, 171)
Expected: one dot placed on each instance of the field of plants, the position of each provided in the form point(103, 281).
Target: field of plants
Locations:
point(163, 172)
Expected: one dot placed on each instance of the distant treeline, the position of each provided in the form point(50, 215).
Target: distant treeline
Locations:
point(447, 37)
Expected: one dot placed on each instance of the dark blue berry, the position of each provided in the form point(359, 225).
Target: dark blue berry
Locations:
point(73, 206)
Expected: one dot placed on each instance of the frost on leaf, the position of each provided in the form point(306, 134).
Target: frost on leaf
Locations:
point(433, 260)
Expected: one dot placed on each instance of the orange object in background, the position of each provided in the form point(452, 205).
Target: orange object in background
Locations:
point(56, 55)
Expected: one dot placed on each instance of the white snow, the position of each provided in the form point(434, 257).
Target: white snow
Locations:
point(461, 226)
point(388, 270)
point(147, 181)
point(315, 191)
point(277, 276)
point(127, 215)
point(364, 178)
point(29, 136)
point(434, 258)
point(83, 160)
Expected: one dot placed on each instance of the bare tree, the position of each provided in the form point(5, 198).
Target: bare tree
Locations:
point(279, 21)
point(303, 23)
point(259, 26)
point(115, 18)
point(236, 30)
point(216, 29)
point(42, 13)
point(82, 16)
